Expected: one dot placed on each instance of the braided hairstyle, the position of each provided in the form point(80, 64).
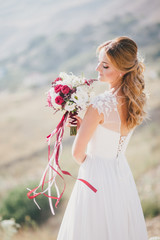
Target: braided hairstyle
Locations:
point(122, 52)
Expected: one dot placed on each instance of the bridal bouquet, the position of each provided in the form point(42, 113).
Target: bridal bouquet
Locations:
point(70, 94)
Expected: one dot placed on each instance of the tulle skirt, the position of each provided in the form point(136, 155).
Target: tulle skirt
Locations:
point(113, 212)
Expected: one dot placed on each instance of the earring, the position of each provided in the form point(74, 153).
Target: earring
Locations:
point(120, 74)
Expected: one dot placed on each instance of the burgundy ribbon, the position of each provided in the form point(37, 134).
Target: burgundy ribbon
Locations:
point(58, 131)
point(72, 116)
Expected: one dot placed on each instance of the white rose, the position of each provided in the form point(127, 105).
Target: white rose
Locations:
point(70, 106)
point(82, 95)
point(100, 103)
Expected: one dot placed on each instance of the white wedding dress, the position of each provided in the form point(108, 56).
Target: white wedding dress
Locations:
point(114, 212)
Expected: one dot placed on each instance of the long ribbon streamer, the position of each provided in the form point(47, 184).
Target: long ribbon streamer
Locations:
point(52, 168)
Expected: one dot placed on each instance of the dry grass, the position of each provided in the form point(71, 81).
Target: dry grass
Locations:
point(24, 125)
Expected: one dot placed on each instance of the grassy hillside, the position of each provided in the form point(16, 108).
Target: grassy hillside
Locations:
point(23, 155)
point(40, 39)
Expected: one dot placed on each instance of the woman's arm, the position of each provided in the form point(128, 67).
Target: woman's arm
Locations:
point(89, 123)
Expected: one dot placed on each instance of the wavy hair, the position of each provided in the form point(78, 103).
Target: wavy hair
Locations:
point(123, 54)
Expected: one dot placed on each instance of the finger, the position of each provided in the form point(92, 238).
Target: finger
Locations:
point(69, 120)
point(77, 117)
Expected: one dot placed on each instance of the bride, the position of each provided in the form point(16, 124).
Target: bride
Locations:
point(114, 211)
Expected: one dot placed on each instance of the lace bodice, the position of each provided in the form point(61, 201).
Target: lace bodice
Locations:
point(107, 140)
point(120, 145)
point(106, 103)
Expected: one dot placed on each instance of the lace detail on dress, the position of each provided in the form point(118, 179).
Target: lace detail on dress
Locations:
point(105, 103)
point(120, 145)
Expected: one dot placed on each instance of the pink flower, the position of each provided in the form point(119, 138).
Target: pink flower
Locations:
point(49, 100)
point(57, 79)
point(59, 100)
point(87, 82)
point(57, 88)
point(65, 89)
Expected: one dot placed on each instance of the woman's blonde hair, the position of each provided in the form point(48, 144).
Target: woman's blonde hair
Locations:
point(122, 53)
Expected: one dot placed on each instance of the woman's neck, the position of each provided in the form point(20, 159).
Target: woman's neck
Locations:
point(115, 88)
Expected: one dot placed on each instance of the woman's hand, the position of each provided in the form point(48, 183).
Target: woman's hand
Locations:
point(69, 120)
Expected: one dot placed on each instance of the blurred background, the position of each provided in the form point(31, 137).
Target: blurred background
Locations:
point(39, 39)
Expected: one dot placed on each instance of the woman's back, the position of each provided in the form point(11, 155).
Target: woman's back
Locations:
point(111, 136)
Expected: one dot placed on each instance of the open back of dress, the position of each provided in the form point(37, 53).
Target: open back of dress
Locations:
point(107, 140)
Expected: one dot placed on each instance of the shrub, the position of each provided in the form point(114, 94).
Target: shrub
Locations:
point(151, 207)
point(17, 205)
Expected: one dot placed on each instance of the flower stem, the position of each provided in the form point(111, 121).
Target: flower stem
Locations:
point(73, 130)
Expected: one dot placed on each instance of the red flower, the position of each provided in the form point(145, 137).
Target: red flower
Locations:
point(57, 88)
point(87, 82)
point(59, 100)
point(65, 89)
point(57, 79)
